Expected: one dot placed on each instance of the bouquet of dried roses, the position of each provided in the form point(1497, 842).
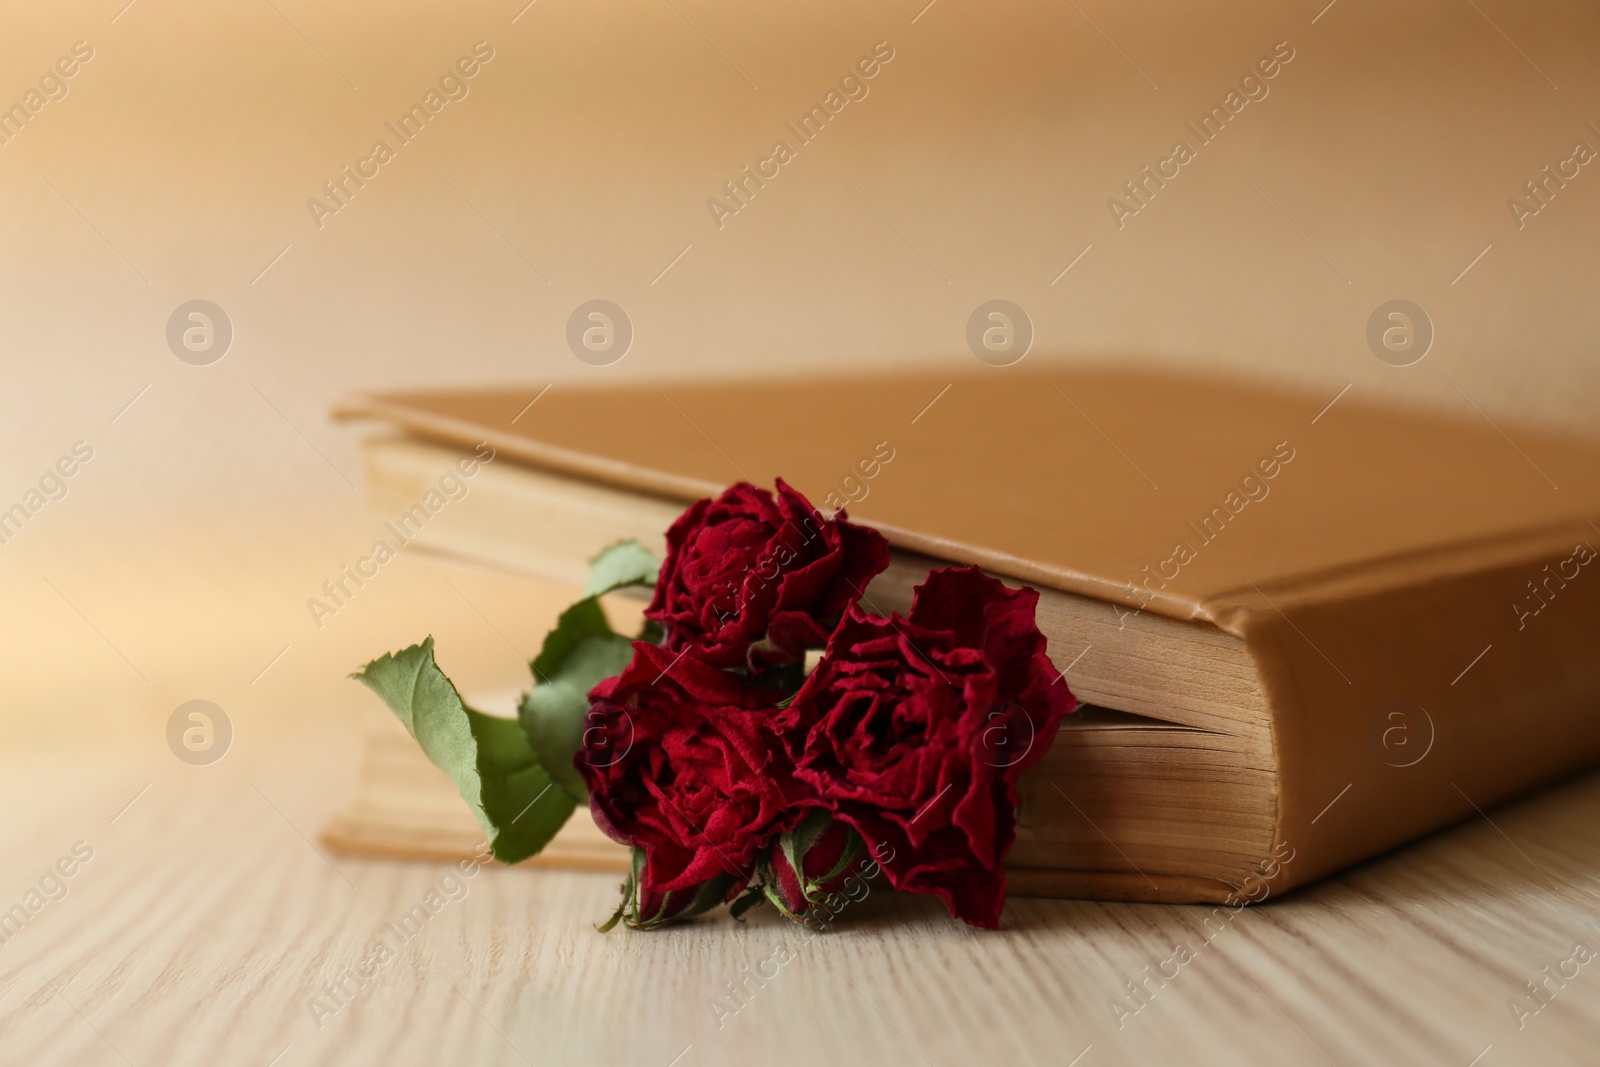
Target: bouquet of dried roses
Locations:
point(736, 776)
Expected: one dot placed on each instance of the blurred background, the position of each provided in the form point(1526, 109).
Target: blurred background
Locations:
point(186, 157)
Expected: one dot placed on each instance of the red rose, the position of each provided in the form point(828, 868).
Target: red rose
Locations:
point(750, 580)
point(681, 761)
point(915, 731)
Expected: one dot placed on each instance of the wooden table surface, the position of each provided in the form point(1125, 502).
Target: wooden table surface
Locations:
point(207, 921)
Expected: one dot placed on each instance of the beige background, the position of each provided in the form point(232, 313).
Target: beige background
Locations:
point(180, 163)
point(178, 566)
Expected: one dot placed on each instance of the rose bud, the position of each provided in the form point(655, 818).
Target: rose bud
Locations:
point(914, 732)
point(811, 863)
point(752, 580)
point(643, 909)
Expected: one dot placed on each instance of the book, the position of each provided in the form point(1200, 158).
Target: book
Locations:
point(1305, 629)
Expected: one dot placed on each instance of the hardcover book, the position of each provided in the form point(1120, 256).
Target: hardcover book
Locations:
point(1305, 629)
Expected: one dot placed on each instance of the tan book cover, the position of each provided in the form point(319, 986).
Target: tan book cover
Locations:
point(1348, 624)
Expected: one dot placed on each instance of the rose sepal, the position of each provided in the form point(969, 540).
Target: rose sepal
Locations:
point(809, 863)
point(641, 909)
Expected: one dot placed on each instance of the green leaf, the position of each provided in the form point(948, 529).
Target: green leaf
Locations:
point(576, 657)
point(577, 624)
point(490, 760)
point(622, 564)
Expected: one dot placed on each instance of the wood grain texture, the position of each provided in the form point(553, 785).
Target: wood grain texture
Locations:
point(208, 919)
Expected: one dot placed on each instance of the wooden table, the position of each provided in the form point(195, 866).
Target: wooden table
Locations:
point(207, 921)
